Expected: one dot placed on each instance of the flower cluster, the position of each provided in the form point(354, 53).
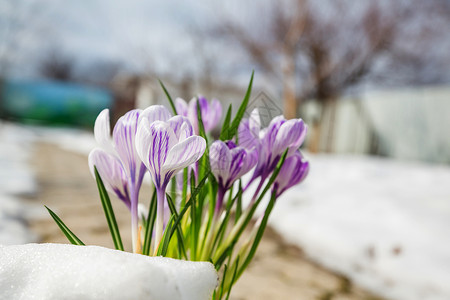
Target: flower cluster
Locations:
point(150, 140)
point(196, 211)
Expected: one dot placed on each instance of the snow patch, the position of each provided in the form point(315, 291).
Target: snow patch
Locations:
point(381, 222)
point(57, 271)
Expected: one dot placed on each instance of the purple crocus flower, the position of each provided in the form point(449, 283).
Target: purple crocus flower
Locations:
point(118, 163)
point(271, 142)
point(294, 170)
point(211, 112)
point(167, 147)
point(228, 163)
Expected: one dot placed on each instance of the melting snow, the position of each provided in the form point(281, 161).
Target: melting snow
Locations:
point(57, 271)
point(383, 223)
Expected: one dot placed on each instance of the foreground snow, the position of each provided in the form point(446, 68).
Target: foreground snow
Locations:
point(383, 223)
point(56, 271)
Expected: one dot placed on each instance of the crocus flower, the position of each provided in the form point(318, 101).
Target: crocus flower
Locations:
point(293, 171)
point(211, 112)
point(166, 147)
point(271, 142)
point(228, 163)
point(118, 164)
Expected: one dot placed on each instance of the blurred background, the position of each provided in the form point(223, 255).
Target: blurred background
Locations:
point(370, 78)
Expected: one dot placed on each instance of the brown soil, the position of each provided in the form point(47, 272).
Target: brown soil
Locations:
point(279, 270)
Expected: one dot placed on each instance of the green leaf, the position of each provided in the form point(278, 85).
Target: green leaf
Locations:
point(224, 275)
point(185, 185)
point(194, 229)
point(225, 132)
point(227, 252)
point(164, 245)
point(177, 226)
point(266, 188)
point(150, 224)
point(195, 214)
point(233, 279)
point(223, 225)
point(73, 239)
point(240, 114)
point(239, 203)
point(168, 97)
point(109, 212)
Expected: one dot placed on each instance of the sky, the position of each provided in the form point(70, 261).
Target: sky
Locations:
point(148, 36)
point(127, 31)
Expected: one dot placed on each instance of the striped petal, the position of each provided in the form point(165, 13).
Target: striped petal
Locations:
point(220, 160)
point(181, 127)
point(124, 141)
point(112, 173)
point(155, 113)
point(294, 170)
point(237, 160)
point(247, 137)
point(215, 114)
point(184, 154)
point(102, 131)
point(182, 107)
point(290, 134)
point(153, 142)
point(249, 162)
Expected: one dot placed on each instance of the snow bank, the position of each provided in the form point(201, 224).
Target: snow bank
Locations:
point(383, 223)
point(57, 271)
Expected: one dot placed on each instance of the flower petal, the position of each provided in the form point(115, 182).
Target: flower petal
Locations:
point(220, 160)
point(112, 173)
point(181, 126)
point(254, 122)
point(155, 113)
point(237, 160)
point(294, 170)
point(215, 113)
point(102, 131)
point(182, 107)
point(192, 114)
point(184, 154)
point(291, 133)
point(153, 142)
point(250, 160)
point(246, 137)
point(124, 141)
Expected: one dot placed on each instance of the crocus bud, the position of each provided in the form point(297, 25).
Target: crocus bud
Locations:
point(294, 170)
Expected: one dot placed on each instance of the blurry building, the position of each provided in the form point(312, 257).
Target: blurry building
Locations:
point(406, 124)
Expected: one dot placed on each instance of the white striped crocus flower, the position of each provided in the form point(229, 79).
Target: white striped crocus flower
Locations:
point(166, 147)
point(229, 163)
point(117, 161)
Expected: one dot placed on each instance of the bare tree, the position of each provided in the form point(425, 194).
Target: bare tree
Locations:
point(58, 66)
point(311, 55)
